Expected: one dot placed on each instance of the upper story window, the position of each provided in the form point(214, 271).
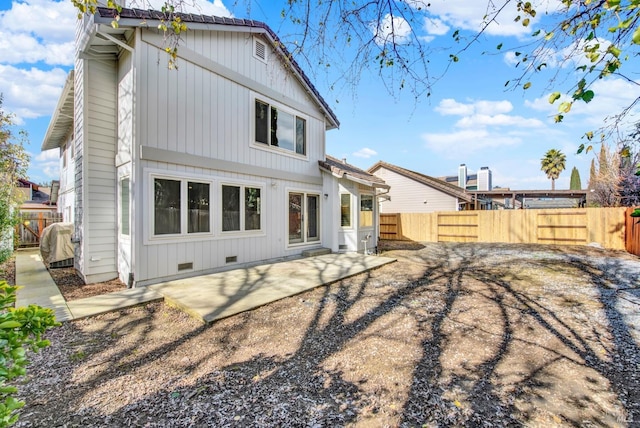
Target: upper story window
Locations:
point(278, 127)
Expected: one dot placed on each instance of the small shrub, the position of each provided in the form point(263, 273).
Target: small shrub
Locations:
point(77, 356)
point(5, 255)
point(21, 330)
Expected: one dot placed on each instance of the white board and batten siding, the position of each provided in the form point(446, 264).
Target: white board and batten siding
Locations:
point(66, 194)
point(198, 122)
point(199, 111)
point(409, 196)
point(98, 209)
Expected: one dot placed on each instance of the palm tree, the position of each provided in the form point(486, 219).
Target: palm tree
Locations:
point(553, 164)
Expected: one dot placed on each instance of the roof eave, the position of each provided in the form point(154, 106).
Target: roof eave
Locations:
point(338, 173)
point(62, 118)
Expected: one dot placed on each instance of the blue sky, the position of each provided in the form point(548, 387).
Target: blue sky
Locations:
point(470, 118)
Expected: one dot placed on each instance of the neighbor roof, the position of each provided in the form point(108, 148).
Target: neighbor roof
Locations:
point(139, 18)
point(342, 169)
point(423, 179)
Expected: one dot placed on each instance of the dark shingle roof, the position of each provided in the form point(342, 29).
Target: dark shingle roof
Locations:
point(343, 169)
point(424, 179)
point(143, 15)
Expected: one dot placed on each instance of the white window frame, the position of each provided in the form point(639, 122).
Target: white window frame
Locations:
point(351, 216)
point(242, 232)
point(373, 211)
point(64, 156)
point(281, 107)
point(305, 242)
point(120, 206)
point(184, 180)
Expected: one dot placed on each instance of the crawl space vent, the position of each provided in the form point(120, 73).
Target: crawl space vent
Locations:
point(231, 259)
point(185, 266)
point(343, 246)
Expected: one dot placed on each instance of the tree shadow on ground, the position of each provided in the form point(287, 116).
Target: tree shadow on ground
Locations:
point(450, 335)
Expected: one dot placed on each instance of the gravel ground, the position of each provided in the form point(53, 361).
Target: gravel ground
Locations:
point(70, 284)
point(449, 335)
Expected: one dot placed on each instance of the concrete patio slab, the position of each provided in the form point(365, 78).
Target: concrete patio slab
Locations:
point(90, 306)
point(207, 297)
point(215, 296)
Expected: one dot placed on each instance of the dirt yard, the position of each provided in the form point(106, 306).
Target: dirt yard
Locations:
point(449, 335)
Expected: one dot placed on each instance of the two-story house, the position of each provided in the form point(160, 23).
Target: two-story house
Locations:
point(218, 164)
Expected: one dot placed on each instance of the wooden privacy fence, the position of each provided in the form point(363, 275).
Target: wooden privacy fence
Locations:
point(30, 228)
point(580, 226)
point(632, 229)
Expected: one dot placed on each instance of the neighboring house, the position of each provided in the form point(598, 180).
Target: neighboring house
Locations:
point(36, 198)
point(215, 165)
point(359, 194)
point(482, 180)
point(412, 192)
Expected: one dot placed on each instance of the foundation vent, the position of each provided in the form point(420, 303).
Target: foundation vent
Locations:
point(185, 266)
point(231, 259)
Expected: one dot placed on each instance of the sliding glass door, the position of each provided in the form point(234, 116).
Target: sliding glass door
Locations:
point(304, 217)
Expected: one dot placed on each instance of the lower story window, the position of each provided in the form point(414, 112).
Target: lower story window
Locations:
point(181, 206)
point(241, 208)
point(124, 206)
point(366, 210)
point(345, 210)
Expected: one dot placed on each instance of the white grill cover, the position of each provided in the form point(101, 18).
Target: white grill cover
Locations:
point(55, 242)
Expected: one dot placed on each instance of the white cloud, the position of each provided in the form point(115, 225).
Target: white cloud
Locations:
point(435, 26)
point(365, 153)
point(484, 120)
point(30, 93)
point(427, 39)
point(45, 19)
point(201, 7)
point(451, 107)
point(35, 31)
point(459, 144)
point(48, 155)
point(483, 127)
point(23, 48)
point(468, 15)
point(47, 164)
point(612, 96)
point(43, 31)
point(394, 30)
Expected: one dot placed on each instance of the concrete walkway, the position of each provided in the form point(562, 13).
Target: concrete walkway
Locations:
point(38, 288)
point(37, 285)
point(206, 297)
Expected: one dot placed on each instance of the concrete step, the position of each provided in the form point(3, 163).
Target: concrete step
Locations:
point(316, 252)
